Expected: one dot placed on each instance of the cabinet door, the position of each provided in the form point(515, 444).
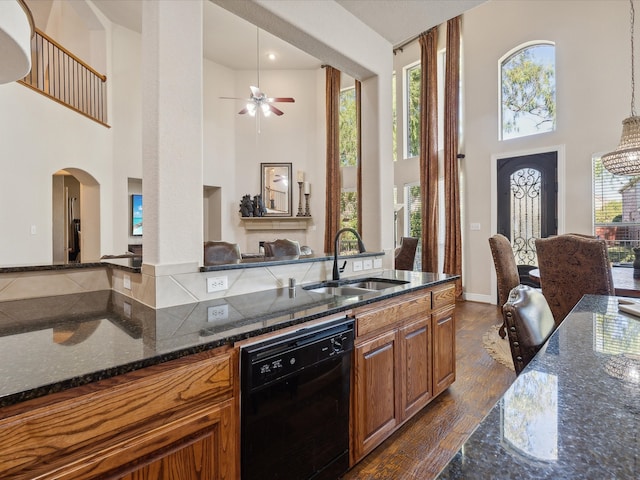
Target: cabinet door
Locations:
point(375, 396)
point(415, 366)
point(444, 353)
point(198, 447)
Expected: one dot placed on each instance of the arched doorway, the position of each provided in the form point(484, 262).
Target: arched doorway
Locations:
point(75, 216)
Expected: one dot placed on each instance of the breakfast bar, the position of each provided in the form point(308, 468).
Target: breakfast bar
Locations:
point(573, 412)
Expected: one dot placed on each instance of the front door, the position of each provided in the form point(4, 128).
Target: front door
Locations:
point(527, 204)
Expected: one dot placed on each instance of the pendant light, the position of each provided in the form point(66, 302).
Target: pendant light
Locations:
point(625, 159)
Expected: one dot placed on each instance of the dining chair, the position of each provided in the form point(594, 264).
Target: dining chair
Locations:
point(529, 324)
point(405, 254)
point(506, 269)
point(281, 247)
point(572, 266)
point(220, 252)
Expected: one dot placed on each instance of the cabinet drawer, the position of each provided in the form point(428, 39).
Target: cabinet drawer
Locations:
point(96, 417)
point(444, 296)
point(393, 313)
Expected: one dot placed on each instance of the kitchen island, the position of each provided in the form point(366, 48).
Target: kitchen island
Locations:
point(573, 412)
point(137, 392)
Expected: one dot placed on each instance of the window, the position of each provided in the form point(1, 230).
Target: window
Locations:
point(395, 116)
point(616, 212)
point(528, 91)
point(348, 128)
point(348, 158)
point(413, 76)
point(413, 219)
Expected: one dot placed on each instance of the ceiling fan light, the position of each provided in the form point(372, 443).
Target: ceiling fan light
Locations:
point(251, 108)
point(265, 109)
point(625, 159)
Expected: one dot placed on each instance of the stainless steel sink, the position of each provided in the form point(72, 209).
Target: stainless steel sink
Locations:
point(354, 287)
point(345, 291)
point(377, 283)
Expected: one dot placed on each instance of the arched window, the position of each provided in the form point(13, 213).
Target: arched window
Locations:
point(528, 91)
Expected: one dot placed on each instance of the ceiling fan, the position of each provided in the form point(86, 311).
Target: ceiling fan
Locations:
point(258, 100)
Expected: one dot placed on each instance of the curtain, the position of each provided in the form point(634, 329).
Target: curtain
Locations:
point(332, 195)
point(429, 148)
point(359, 154)
point(453, 238)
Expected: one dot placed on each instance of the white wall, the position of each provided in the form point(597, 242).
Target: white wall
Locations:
point(290, 138)
point(41, 137)
point(593, 96)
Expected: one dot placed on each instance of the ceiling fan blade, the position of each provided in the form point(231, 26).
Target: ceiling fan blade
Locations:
point(274, 109)
point(232, 98)
point(243, 111)
point(282, 99)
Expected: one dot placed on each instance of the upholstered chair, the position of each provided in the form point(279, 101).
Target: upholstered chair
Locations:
point(221, 252)
point(281, 247)
point(506, 269)
point(529, 323)
point(405, 254)
point(570, 267)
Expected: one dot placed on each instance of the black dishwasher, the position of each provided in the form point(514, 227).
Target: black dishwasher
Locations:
point(295, 404)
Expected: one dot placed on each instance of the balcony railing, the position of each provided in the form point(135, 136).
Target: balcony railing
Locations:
point(63, 77)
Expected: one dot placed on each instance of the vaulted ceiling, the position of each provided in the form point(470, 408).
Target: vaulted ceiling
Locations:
point(231, 41)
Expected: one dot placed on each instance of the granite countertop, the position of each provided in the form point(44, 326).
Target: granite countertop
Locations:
point(50, 344)
point(573, 412)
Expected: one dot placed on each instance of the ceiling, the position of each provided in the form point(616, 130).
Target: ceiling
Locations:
point(395, 20)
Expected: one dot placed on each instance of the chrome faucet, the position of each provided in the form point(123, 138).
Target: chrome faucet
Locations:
point(361, 249)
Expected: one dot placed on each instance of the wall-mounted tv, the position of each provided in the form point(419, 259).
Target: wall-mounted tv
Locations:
point(136, 215)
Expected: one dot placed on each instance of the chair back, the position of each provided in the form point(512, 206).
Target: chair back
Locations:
point(505, 264)
point(405, 254)
point(221, 252)
point(529, 323)
point(281, 247)
point(570, 267)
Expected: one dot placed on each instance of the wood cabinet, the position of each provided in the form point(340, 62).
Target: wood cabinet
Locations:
point(173, 420)
point(404, 356)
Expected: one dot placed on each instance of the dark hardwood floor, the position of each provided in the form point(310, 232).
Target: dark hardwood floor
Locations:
point(423, 445)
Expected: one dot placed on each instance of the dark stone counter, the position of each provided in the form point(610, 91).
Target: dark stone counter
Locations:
point(53, 343)
point(572, 413)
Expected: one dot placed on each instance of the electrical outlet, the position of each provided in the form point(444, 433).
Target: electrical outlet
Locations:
point(357, 265)
point(216, 284)
point(368, 264)
point(217, 313)
point(126, 282)
point(377, 263)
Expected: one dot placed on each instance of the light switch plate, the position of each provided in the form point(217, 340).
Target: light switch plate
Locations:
point(377, 263)
point(368, 264)
point(357, 265)
point(126, 282)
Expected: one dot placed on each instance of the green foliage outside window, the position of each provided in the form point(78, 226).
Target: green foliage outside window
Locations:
point(348, 128)
point(414, 78)
point(529, 92)
point(415, 211)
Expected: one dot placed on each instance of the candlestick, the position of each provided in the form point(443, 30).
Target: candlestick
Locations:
point(300, 176)
point(300, 212)
point(307, 212)
point(307, 188)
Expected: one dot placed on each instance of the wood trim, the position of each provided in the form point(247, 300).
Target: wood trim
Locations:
point(84, 64)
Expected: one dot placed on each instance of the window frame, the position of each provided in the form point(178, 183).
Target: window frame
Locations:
point(405, 102)
point(507, 56)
